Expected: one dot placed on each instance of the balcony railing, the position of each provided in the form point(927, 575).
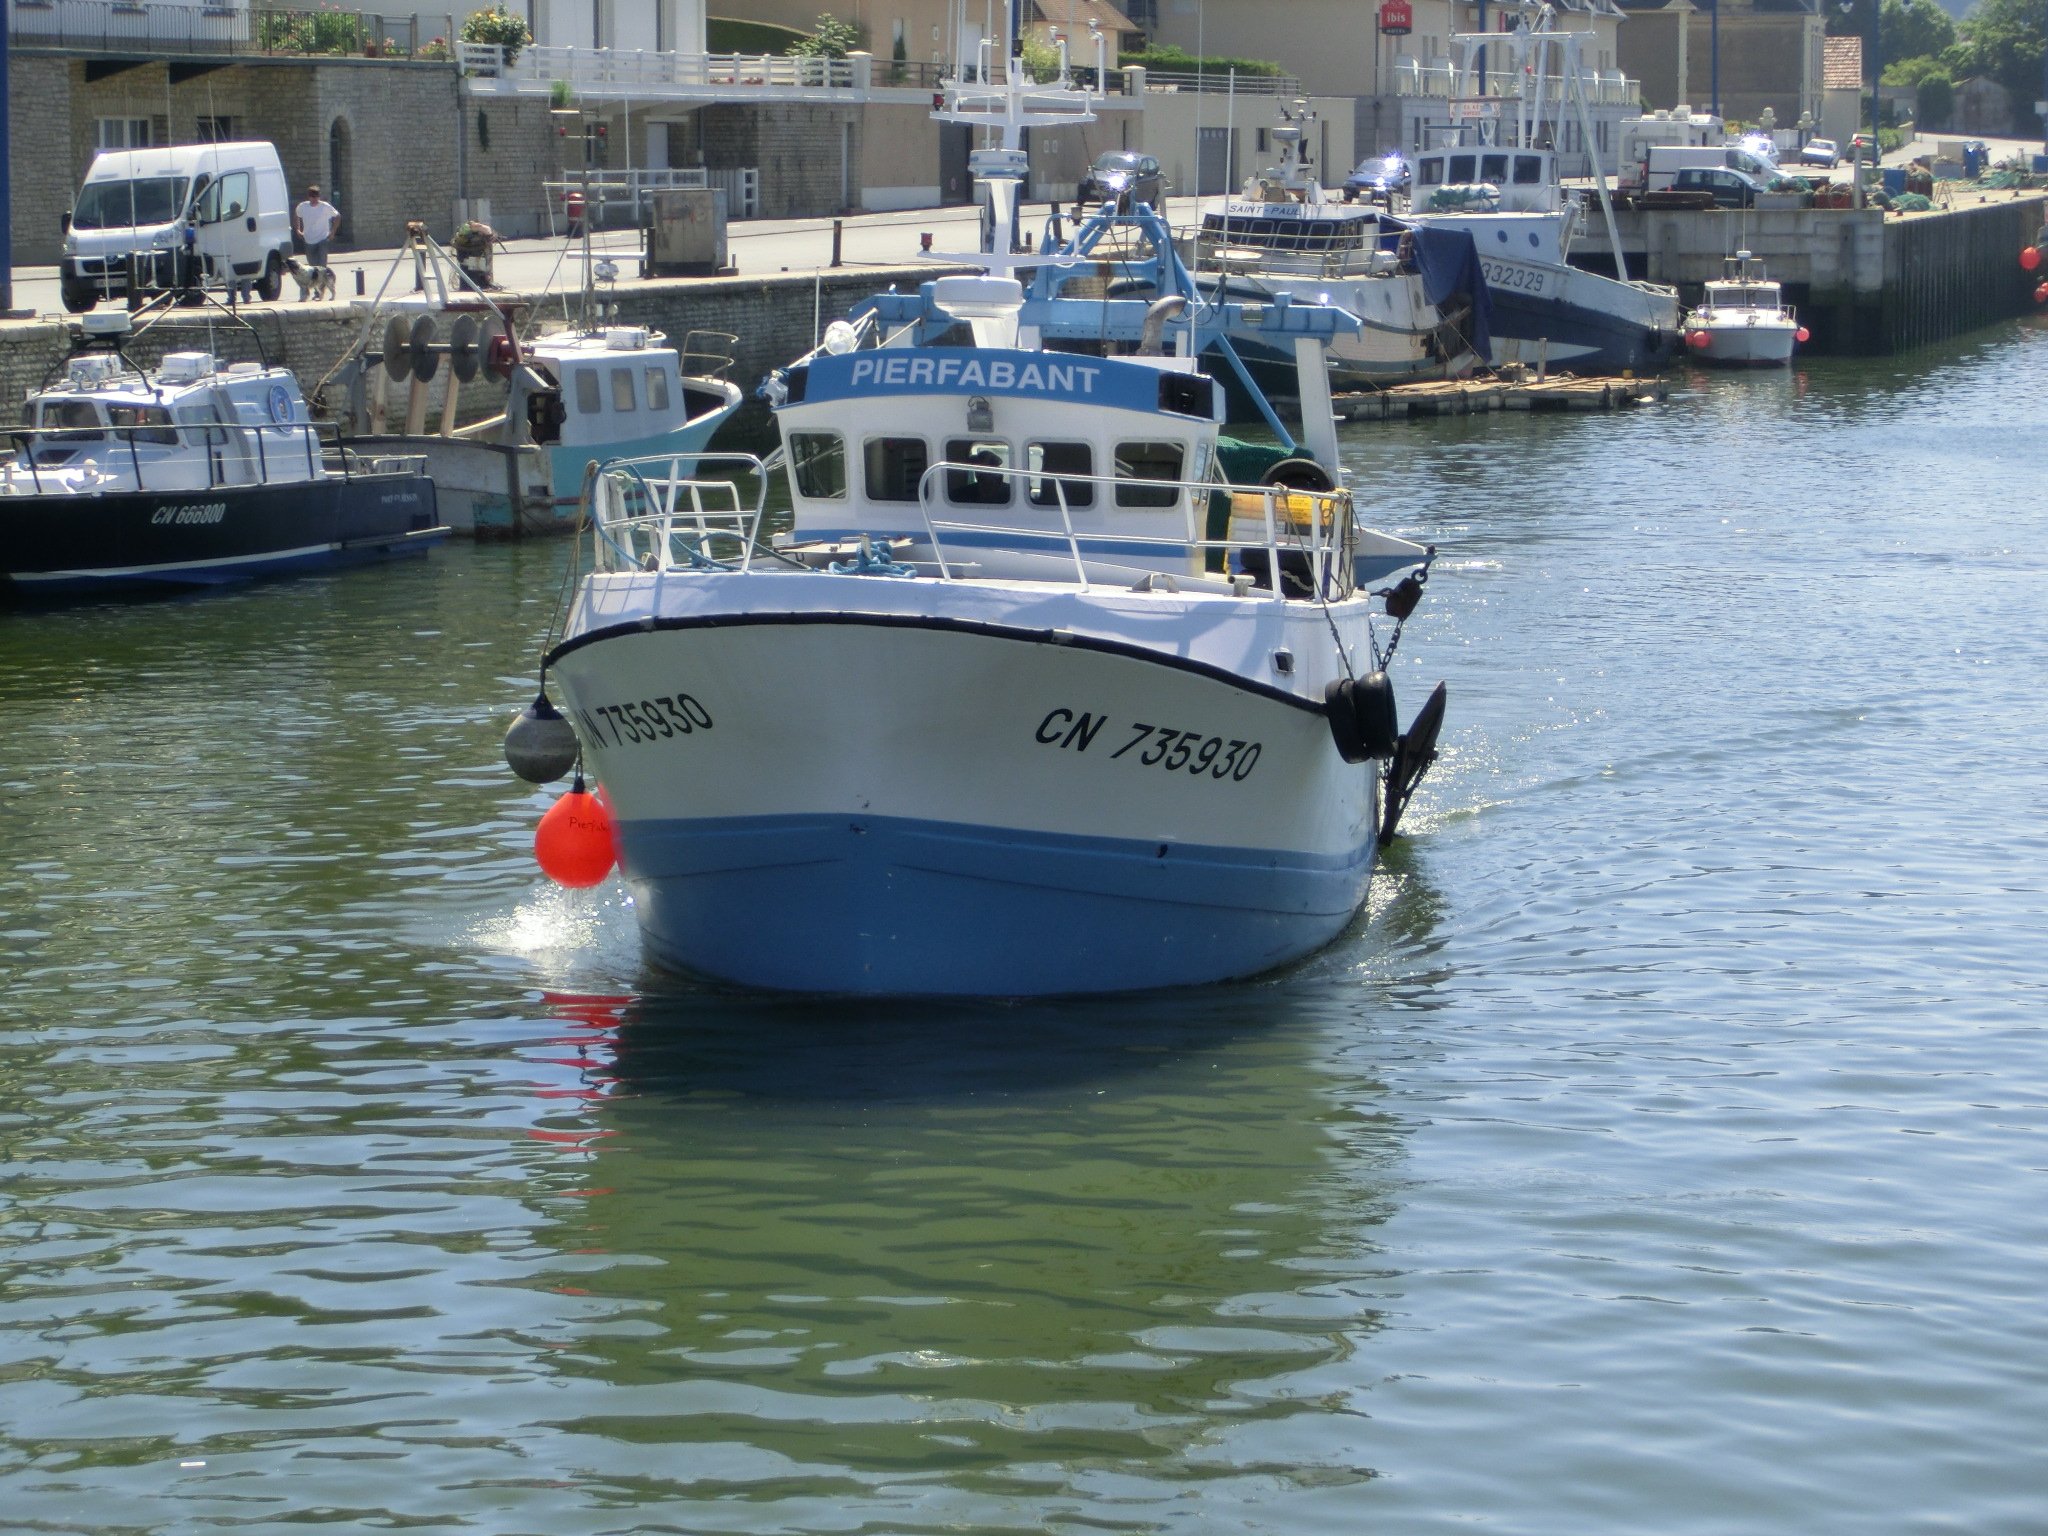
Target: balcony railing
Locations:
point(1439, 80)
point(1218, 82)
point(152, 26)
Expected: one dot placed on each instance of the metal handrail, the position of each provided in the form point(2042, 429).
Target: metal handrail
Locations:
point(316, 437)
point(1188, 495)
point(613, 526)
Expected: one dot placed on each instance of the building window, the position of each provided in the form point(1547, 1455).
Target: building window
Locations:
point(215, 130)
point(121, 133)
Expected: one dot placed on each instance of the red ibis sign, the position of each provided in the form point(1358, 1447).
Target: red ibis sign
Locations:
point(1397, 18)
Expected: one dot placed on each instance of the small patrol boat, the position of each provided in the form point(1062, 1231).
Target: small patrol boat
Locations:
point(194, 472)
point(1048, 689)
point(1742, 319)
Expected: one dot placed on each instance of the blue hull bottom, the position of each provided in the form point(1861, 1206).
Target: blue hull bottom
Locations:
point(1581, 339)
point(838, 904)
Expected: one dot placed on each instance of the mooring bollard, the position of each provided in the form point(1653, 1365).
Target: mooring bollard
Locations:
point(359, 282)
point(837, 229)
point(924, 241)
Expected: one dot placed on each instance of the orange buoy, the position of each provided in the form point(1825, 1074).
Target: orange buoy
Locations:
point(1802, 335)
point(1700, 341)
point(2041, 293)
point(2030, 257)
point(574, 839)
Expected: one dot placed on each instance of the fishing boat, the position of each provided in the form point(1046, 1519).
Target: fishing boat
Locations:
point(543, 405)
point(1032, 699)
point(1501, 185)
point(1421, 297)
point(192, 472)
point(1742, 319)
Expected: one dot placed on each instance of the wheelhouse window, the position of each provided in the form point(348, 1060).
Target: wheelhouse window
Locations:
point(657, 392)
point(147, 423)
point(1143, 461)
point(1461, 168)
point(893, 467)
point(1430, 173)
point(1044, 461)
point(622, 390)
point(74, 416)
point(589, 392)
point(1493, 168)
point(1528, 170)
point(985, 484)
point(819, 462)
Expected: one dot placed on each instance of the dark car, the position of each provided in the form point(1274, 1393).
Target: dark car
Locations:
point(1728, 188)
point(1378, 177)
point(1123, 177)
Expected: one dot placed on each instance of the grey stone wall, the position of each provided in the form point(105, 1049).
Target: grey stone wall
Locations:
point(771, 315)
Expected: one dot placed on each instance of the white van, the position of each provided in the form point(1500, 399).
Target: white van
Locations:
point(225, 203)
point(1665, 161)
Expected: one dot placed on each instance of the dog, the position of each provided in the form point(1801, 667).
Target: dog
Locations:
point(314, 282)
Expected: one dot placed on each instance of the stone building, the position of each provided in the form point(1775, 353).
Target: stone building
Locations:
point(1763, 53)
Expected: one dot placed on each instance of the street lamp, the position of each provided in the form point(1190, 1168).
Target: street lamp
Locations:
point(1714, 58)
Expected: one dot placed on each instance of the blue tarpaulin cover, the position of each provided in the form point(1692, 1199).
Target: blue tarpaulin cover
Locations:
point(1449, 264)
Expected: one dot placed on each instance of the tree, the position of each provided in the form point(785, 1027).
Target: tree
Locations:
point(1937, 101)
point(834, 39)
point(1908, 29)
point(2004, 40)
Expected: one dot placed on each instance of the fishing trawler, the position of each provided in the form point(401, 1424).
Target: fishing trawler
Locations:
point(1421, 296)
point(1033, 697)
point(1501, 185)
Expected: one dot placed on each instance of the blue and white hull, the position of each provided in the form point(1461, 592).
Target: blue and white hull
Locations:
point(857, 785)
point(566, 462)
point(1561, 317)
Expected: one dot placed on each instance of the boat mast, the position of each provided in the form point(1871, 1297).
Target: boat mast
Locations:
point(991, 89)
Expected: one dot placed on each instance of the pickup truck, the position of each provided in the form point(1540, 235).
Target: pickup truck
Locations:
point(1727, 188)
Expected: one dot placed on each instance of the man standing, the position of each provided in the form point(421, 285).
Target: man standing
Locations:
point(314, 221)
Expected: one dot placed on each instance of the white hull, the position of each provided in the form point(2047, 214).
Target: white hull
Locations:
point(1763, 340)
point(924, 787)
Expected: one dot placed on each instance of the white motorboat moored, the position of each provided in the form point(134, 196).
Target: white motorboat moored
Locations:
point(1742, 319)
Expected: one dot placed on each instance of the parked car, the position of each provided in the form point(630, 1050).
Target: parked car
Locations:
point(1123, 177)
point(1821, 152)
point(1729, 189)
point(1377, 178)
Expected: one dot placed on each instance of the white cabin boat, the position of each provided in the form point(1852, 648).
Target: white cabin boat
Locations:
point(1742, 319)
point(193, 473)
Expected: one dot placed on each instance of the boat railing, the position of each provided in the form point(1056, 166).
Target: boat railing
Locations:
point(708, 354)
point(185, 456)
point(691, 510)
point(1307, 533)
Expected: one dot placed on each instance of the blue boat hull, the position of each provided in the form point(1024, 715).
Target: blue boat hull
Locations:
point(1531, 329)
point(875, 905)
point(62, 547)
point(566, 463)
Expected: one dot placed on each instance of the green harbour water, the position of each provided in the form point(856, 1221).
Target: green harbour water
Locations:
point(1664, 1150)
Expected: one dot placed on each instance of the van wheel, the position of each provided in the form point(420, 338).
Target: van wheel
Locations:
point(271, 283)
point(78, 297)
